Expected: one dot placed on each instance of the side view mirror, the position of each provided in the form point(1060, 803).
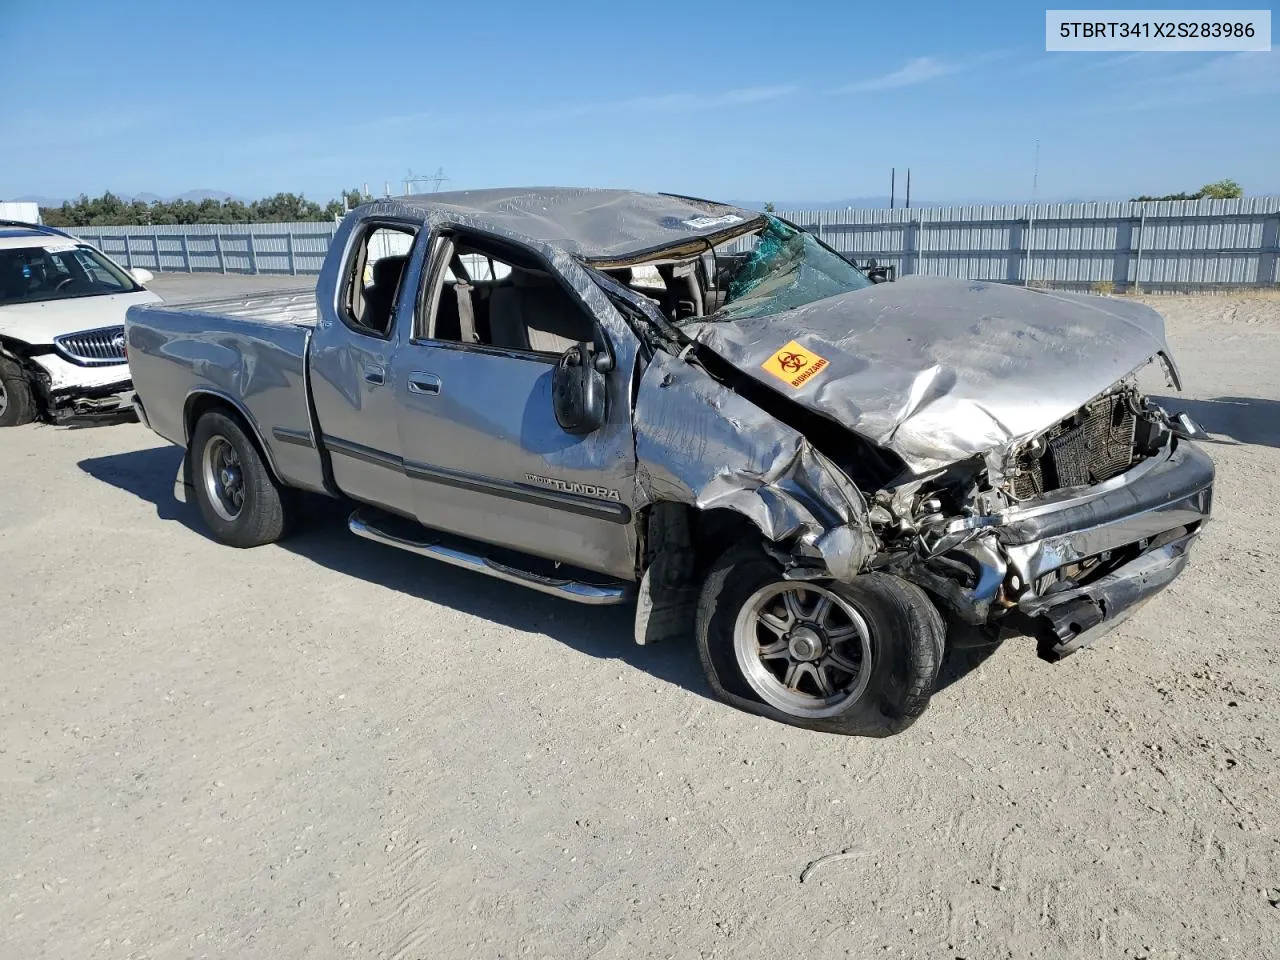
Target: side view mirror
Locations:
point(141, 275)
point(874, 271)
point(579, 390)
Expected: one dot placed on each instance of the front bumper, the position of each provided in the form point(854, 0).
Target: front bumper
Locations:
point(1073, 618)
point(1155, 512)
point(99, 404)
point(84, 394)
point(1170, 490)
point(1132, 534)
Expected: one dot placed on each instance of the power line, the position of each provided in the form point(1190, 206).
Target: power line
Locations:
point(411, 181)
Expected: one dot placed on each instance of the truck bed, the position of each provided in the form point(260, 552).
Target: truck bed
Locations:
point(289, 306)
point(247, 351)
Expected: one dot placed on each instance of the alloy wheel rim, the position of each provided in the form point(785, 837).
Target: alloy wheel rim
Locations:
point(804, 649)
point(4, 398)
point(223, 477)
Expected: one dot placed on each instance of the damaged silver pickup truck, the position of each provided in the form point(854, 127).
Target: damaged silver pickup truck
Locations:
point(605, 395)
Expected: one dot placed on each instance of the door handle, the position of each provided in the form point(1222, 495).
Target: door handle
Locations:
point(374, 375)
point(424, 383)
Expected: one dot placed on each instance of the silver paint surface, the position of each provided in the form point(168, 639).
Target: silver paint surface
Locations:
point(698, 442)
point(938, 370)
point(176, 355)
point(592, 224)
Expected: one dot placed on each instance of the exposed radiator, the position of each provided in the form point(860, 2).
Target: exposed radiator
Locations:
point(1094, 444)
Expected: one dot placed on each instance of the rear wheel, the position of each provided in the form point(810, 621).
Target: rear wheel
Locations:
point(858, 658)
point(17, 402)
point(238, 497)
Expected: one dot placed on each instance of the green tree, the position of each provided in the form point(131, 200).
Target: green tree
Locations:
point(1218, 190)
point(768, 207)
point(111, 210)
point(284, 207)
point(1222, 190)
point(349, 200)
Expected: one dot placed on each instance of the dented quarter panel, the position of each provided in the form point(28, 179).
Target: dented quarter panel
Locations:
point(178, 354)
point(938, 370)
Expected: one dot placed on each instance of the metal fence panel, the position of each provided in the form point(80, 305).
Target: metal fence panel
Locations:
point(1119, 245)
point(285, 248)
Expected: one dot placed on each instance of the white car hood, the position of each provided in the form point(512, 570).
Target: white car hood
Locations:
point(39, 322)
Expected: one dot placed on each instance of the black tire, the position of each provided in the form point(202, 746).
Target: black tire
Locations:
point(907, 639)
point(264, 511)
point(17, 402)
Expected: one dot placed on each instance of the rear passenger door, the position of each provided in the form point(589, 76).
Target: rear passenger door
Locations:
point(352, 351)
point(482, 447)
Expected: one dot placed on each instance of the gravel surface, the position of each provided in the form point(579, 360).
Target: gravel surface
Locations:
point(327, 748)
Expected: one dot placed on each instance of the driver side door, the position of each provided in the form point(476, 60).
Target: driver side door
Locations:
point(483, 450)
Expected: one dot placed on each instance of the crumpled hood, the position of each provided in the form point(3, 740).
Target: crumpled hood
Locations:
point(938, 370)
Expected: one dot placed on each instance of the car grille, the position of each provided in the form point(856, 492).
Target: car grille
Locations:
point(93, 346)
point(1095, 444)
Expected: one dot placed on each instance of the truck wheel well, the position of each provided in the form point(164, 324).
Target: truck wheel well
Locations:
point(683, 541)
point(198, 404)
point(715, 531)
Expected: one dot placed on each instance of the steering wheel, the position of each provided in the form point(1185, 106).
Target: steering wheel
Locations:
point(63, 282)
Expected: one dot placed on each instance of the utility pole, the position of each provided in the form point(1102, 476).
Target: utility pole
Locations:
point(1035, 175)
point(893, 176)
point(1031, 217)
point(908, 188)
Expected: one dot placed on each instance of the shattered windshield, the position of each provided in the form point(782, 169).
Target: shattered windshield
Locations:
point(787, 268)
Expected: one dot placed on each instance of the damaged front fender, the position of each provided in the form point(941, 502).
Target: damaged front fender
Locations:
point(699, 443)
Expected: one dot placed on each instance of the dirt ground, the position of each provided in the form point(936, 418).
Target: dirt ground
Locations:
point(327, 748)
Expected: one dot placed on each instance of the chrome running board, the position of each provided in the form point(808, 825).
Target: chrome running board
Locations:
point(589, 593)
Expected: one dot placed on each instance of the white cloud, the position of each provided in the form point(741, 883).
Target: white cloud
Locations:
point(288, 142)
point(752, 95)
point(673, 102)
point(1228, 76)
point(919, 70)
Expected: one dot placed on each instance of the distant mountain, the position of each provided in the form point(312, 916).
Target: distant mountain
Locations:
point(195, 196)
point(42, 201)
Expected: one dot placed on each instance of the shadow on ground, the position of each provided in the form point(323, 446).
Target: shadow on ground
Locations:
point(1244, 419)
point(323, 538)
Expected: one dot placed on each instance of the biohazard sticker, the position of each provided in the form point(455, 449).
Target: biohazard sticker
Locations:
point(794, 364)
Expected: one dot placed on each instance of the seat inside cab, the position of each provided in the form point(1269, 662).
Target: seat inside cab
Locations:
point(487, 299)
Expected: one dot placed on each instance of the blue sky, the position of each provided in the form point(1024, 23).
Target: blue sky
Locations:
point(744, 101)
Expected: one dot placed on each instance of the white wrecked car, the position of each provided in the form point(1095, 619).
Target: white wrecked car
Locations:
point(62, 306)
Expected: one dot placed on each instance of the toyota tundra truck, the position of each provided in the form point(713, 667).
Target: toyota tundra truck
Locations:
point(620, 397)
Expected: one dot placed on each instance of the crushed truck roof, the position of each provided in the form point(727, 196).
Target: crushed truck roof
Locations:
point(589, 223)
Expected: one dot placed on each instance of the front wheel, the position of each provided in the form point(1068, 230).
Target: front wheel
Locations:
point(17, 403)
point(858, 658)
point(238, 497)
